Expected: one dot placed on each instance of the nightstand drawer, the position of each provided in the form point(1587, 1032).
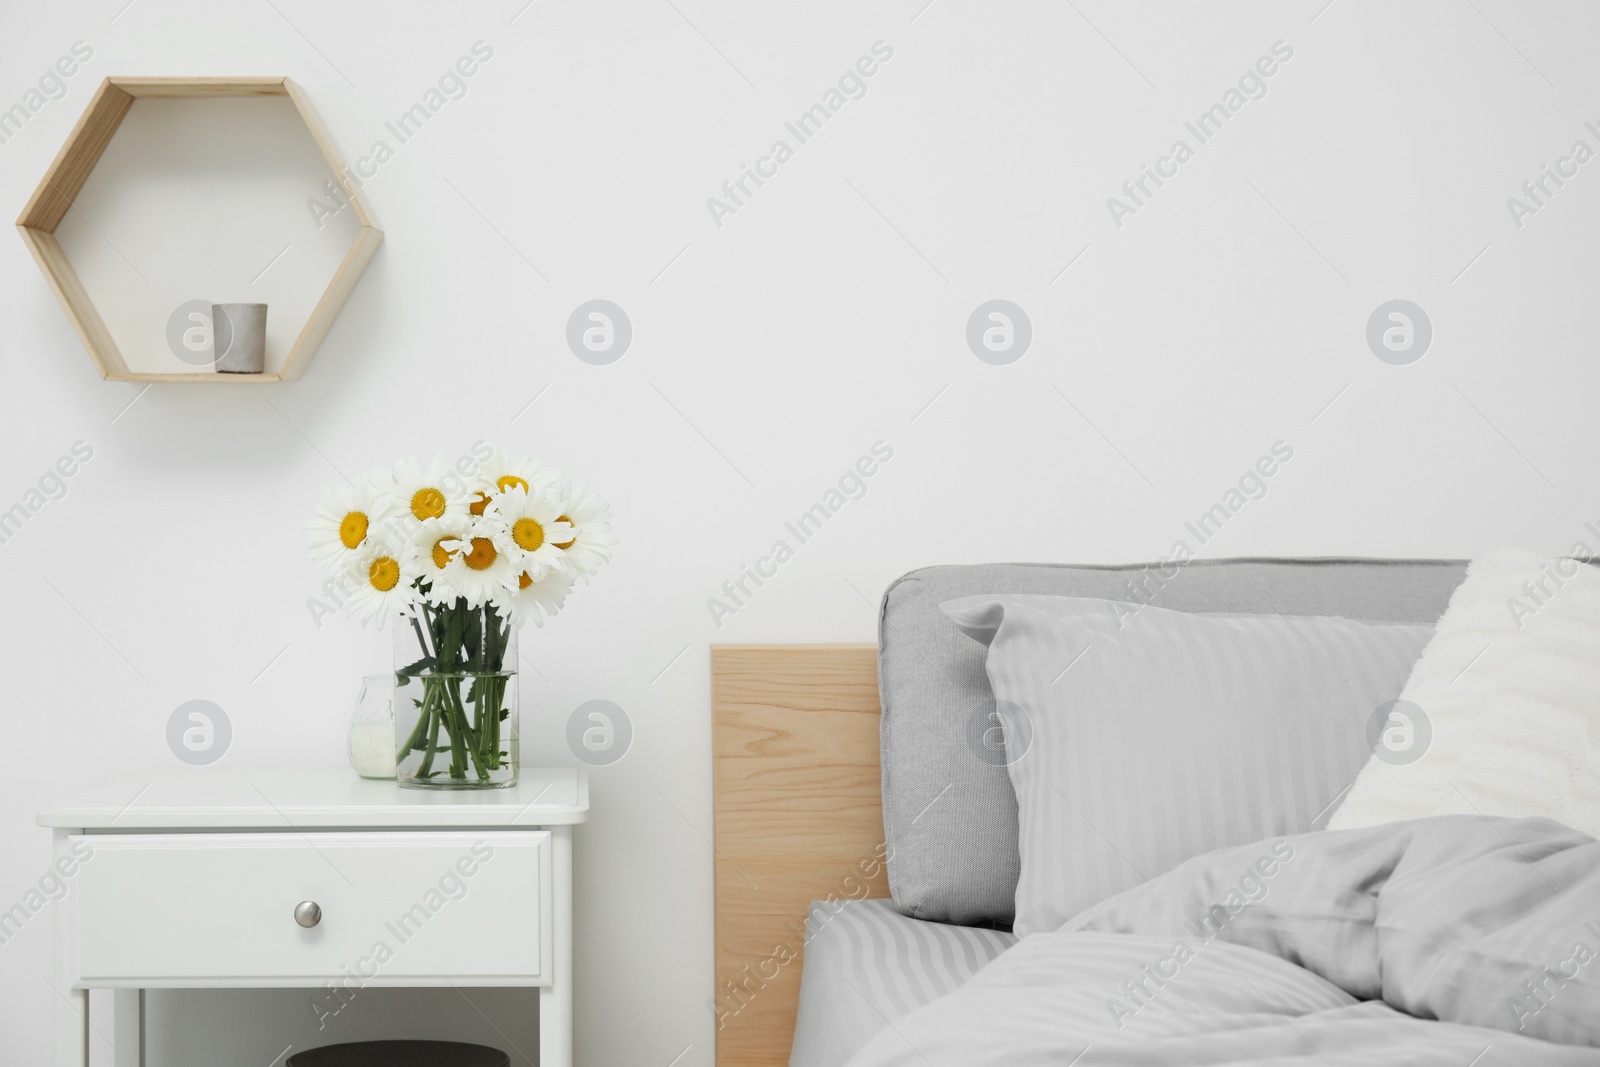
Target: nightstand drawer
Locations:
point(391, 908)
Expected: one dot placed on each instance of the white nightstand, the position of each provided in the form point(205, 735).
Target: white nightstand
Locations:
point(298, 881)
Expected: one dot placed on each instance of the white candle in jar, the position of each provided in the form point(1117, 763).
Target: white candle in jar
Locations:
point(372, 748)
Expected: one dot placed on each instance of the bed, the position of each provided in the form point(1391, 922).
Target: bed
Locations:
point(802, 757)
point(867, 965)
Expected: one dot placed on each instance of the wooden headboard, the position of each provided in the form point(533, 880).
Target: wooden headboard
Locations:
point(799, 817)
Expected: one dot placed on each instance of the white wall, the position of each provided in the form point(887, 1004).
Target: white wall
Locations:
point(1228, 313)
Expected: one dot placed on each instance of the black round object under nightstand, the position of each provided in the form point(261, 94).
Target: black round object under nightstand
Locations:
point(400, 1054)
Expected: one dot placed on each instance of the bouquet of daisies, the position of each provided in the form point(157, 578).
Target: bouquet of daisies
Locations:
point(464, 554)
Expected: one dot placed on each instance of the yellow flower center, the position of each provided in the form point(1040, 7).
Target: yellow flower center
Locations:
point(384, 574)
point(353, 529)
point(427, 504)
point(566, 544)
point(441, 558)
point(510, 481)
point(523, 581)
point(481, 555)
point(528, 534)
point(479, 504)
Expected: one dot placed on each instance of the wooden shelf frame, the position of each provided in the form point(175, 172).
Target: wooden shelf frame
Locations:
point(76, 161)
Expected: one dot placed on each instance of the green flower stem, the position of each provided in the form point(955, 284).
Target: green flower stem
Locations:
point(492, 696)
point(464, 739)
point(489, 721)
point(422, 642)
point(475, 735)
point(415, 739)
point(485, 730)
point(431, 714)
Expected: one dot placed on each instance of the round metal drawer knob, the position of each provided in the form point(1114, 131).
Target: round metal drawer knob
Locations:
point(307, 913)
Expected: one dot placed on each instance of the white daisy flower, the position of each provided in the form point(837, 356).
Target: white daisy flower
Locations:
point(501, 473)
point(345, 518)
point(535, 599)
point(590, 519)
point(421, 492)
point(532, 522)
point(433, 558)
point(480, 569)
point(385, 585)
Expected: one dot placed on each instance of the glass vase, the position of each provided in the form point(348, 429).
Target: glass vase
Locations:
point(455, 699)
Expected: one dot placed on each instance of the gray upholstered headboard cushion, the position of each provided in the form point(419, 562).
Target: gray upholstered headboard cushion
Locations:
point(949, 815)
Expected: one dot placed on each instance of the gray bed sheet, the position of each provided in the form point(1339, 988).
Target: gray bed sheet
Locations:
point(867, 965)
point(1436, 942)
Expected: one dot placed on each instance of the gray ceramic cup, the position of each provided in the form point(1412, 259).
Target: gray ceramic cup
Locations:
point(239, 337)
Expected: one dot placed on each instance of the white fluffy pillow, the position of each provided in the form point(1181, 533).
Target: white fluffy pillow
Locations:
point(1509, 688)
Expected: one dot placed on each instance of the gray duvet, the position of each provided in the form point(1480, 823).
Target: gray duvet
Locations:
point(1457, 940)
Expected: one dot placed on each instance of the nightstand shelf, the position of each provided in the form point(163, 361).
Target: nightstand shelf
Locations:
point(65, 179)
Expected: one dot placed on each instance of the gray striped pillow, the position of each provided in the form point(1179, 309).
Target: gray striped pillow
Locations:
point(1137, 737)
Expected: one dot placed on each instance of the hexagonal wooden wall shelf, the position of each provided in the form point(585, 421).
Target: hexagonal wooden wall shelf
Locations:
point(77, 159)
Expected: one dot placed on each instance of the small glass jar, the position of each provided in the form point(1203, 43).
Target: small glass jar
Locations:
point(372, 747)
